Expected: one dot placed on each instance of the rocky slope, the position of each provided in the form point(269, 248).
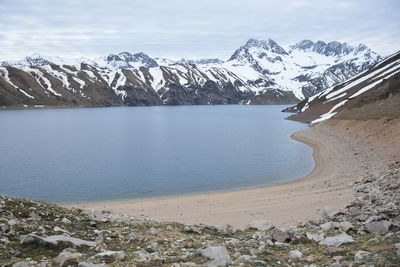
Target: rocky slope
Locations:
point(365, 233)
point(374, 93)
point(259, 72)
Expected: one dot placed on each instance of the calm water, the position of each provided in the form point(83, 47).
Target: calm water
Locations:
point(75, 155)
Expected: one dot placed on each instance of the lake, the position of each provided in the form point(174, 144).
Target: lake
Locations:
point(93, 154)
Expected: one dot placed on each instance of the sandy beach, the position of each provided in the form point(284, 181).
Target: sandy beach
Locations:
point(344, 151)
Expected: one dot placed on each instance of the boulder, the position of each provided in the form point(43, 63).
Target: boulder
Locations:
point(281, 236)
point(397, 246)
point(295, 255)
point(217, 254)
point(337, 241)
point(360, 255)
point(153, 231)
point(116, 255)
point(260, 225)
point(66, 258)
point(333, 250)
point(326, 226)
point(232, 242)
point(315, 236)
point(346, 226)
point(244, 259)
point(381, 227)
point(55, 240)
point(89, 264)
point(330, 212)
point(20, 264)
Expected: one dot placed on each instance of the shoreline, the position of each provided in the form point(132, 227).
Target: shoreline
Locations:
point(286, 203)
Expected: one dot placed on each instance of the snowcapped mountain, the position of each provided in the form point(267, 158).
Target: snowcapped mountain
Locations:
point(373, 93)
point(259, 72)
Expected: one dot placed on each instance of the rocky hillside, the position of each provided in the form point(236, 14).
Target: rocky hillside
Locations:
point(259, 72)
point(374, 93)
point(365, 233)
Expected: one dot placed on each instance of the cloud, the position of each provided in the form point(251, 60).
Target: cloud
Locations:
point(189, 28)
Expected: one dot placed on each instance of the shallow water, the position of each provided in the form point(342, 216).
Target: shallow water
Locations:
point(92, 154)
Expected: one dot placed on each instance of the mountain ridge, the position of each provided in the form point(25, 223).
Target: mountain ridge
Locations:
point(259, 72)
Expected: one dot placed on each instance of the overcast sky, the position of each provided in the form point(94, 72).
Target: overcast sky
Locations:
point(189, 28)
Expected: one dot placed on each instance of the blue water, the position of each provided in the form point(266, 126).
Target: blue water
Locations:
point(93, 154)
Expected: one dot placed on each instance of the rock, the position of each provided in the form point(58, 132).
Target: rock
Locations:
point(260, 225)
point(100, 245)
point(244, 259)
point(218, 255)
point(89, 264)
point(20, 264)
point(326, 226)
point(55, 240)
point(295, 255)
point(192, 229)
point(66, 221)
point(281, 236)
point(337, 241)
point(132, 238)
point(360, 255)
point(153, 231)
point(346, 226)
point(315, 236)
point(333, 250)
point(34, 216)
point(153, 247)
point(397, 246)
point(330, 212)
point(380, 227)
point(116, 255)
point(232, 242)
point(66, 258)
point(143, 255)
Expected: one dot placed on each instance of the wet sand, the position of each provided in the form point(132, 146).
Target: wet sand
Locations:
point(344, 151)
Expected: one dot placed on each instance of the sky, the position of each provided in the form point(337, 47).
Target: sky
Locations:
point(189, 29)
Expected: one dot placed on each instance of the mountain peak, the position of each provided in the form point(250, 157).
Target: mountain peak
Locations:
point(333, 48)
point(268, 44)
point(126, 59)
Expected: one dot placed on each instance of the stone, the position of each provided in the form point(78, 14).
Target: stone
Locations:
point(346, 226)
point(333, 250)
point(153, 247)
point(244, 259)
point(337, 241)
point(153, 231)
point(326, 226)
point(132, 238)
point(100, 245)
point(143, 255)
point(281, 236)
point(360, 255)
point(55, 240)
point(66, 258)
point(397, 246)
point(116, 255)
point(381, 227)
point(89, 264)
point(65, 220)
point(232, 242)
point(192, 229)
point(330, 212)
point(315, 236)
point(217, 254)
point(260, 225)
point(295, 255)
point(20, 264)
